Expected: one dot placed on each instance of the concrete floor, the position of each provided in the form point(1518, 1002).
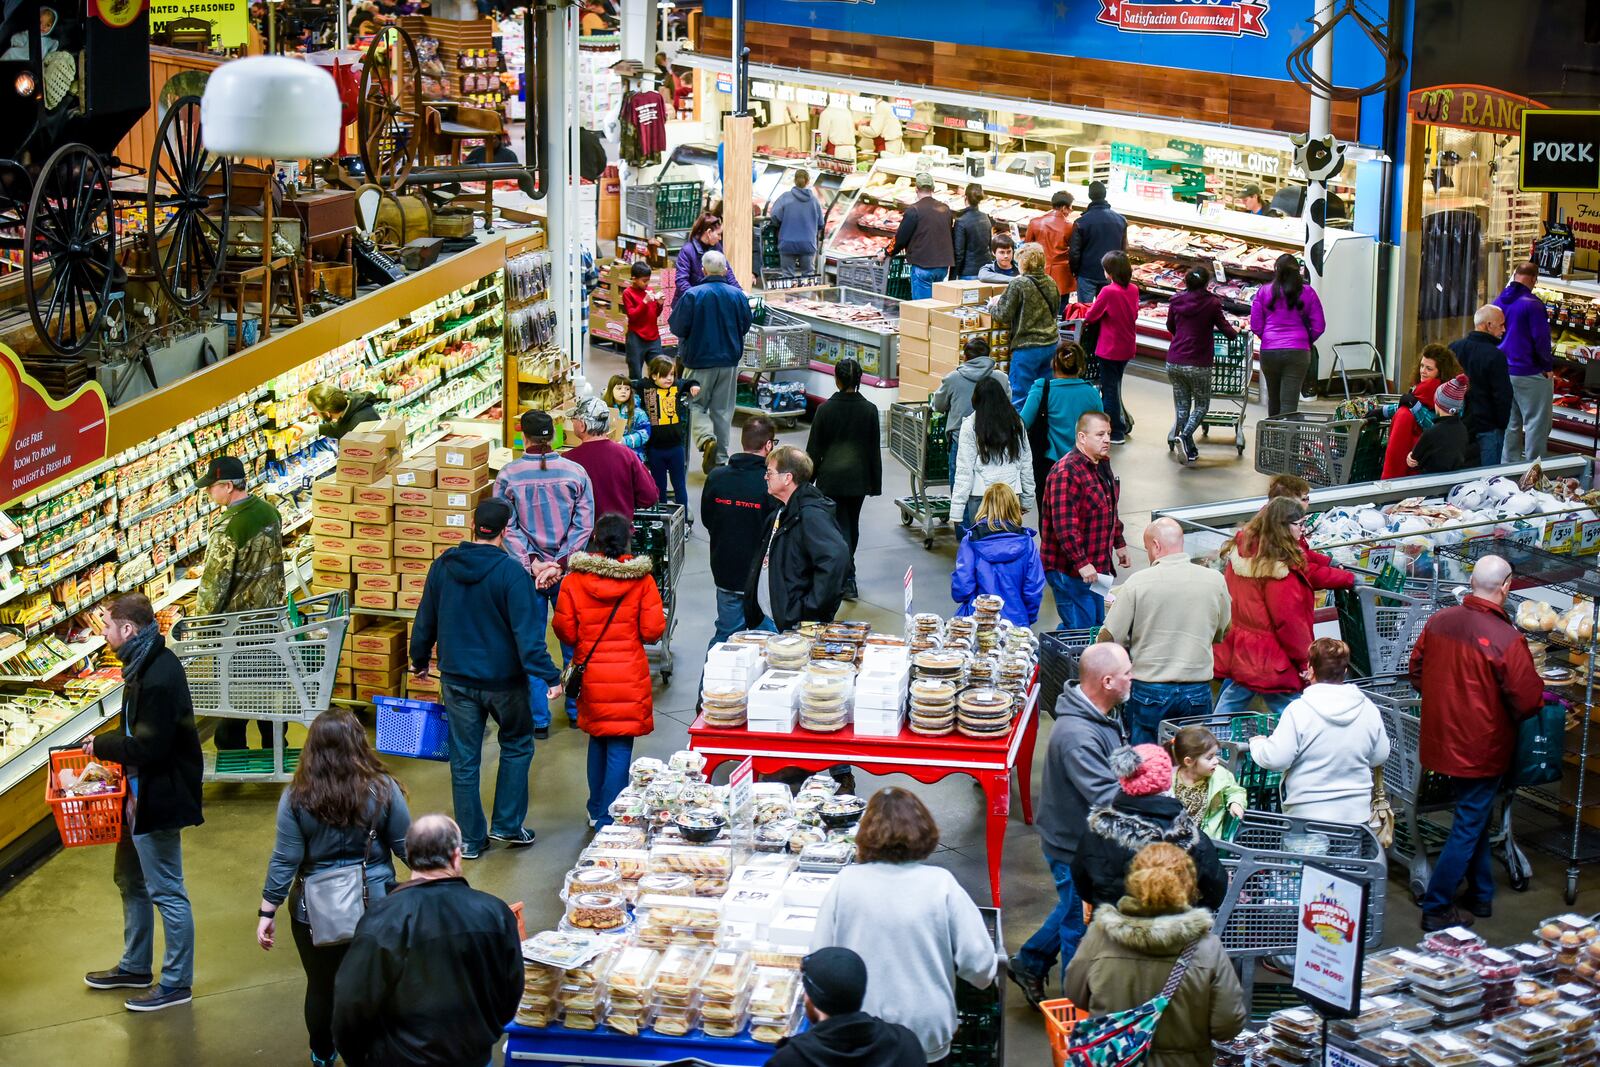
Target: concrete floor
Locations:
point(64, 918)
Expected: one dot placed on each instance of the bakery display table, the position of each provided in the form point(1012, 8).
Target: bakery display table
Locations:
point(557, 1044)
point(927, 759)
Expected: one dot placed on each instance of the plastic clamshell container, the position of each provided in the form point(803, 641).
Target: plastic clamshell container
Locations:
point(1493, 964)
point(773, 992)
point(692, 859)
point(633, 970)
point(631, 863)
point(1532, 994)
point(595, 879)
point(645, 770)
point(1567, 931)
point(1455, 941)
point(597, 911)
point(1579, 993)
point(1533, 956)
point(1387, 1048)
point(1444, 1050)
point(727, 974)
point(614, 837)
point(1409, 1013)
point(1574, 1018)
point(1452, 1001)
point(629, 811)
point(679, 972)
point(1530, 1032)
point(1303, 1023)
point(1439, 975)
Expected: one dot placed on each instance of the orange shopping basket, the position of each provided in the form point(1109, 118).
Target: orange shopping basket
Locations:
point(1060, 1016)
point(95, 820)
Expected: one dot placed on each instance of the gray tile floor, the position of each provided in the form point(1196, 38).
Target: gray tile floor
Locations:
point(64, 918)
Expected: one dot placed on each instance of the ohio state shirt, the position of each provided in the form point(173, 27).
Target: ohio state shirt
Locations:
point(648, 112)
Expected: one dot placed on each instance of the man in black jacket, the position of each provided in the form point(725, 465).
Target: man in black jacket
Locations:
point(159, 750)
point(1489, 396)
point(489, 622)
point(927, 237)
point(841, 1034)
point(434, 972)
point(1098, 230)
point(734, 509)
point(797, 574)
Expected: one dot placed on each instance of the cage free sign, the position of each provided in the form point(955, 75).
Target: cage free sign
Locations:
point(1560, 151)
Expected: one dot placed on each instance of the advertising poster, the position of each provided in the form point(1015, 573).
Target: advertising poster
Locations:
point(229, 19)
point(1329, 933)
point(46, 440)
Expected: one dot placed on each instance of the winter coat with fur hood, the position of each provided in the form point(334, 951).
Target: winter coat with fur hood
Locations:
point(1116, 833)
point(1268, 646)
point(1126, 958)
point(615, 701)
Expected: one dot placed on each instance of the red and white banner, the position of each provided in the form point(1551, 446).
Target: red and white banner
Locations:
point(1225, 19)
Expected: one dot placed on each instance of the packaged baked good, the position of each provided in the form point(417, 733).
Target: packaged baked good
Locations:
point(536, 1010)
point(593, 879)
point(596, 911)
point(827, 856)
point(666, 884)
point(788, 652)
point(1443, 1050)
point(1493, 964)
point(1299, 1022)
point(842, 810)
point(1438, 974)
point(1387, 1048)
point(672, 1020)
point(679, 971)
point(1574, 1018)
point(630, 863)
point(727, 974)
point(1578, 993)
point(664, 921)
point(773, 992)
point(687, 761)
point(774, 836)
point(614, 836)
point(1455, 941)
point(1409, 1013)
point(629, 810)
point(1529, 1031)
point(1567, 931)
point(644, 770)
point(560, 951)
point(1532, 994)
point(692, 859)
point(1533, 957)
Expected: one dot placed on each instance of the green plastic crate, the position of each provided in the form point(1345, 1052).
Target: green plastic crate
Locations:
point(677, 204)
point(1129, 155)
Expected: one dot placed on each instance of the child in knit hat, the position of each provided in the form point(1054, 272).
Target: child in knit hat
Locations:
point(1447, 445)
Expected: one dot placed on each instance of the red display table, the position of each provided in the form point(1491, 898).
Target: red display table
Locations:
point(927, 759)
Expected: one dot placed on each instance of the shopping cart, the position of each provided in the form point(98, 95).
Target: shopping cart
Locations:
point(980, 1038)
point(1373, 443)
point(661, 532)
point(275, 665)
point(891, 276)
point(666, 207)
point(1233, 733)
point(1232, 379)
point(917, 440)
point(1390, 622)
point(1058, 662)
point(1318, 447)
point(777, 340)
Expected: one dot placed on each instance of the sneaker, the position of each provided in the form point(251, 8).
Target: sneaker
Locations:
point(1482, 911)
point(158, 997)
point(470, 852)
point(850, 590)
point(1444, 920)
point(541, 733)
point(117, 978)
point(521, 839)
point(1032, 985)
point(708, 455)
point(319, 1061)
point(1119, 440)
point(1191, 453)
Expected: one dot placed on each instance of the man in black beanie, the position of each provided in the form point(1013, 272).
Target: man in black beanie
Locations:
point(841, 1034)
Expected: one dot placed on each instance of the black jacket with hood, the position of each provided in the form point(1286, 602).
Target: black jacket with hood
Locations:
point(736, 509)
point(487, 618)
point(972, 233)
point(1097, 231)
point(808, 560)
point(1119, 830)
point(1077, 772)
point(158, 742)
point(362, 408)
point(844, 446)
point(853, 1040)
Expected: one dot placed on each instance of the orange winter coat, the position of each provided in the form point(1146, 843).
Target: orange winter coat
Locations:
point(615, 701)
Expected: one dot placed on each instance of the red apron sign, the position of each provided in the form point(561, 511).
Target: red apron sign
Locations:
point(45, 440)
point(1227, 18)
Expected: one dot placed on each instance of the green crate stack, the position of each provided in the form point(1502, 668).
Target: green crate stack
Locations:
point(1129, 155)
point(677, 205)
point(978, 1023)
point(898, 286)
point(769, 248)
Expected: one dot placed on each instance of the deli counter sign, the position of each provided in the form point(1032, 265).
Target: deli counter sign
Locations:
point(45, 440)
point(1560, 152)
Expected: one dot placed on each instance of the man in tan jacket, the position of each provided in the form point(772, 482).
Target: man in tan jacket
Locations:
point(1168, 616)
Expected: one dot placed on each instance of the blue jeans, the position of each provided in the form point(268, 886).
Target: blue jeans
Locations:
point(468, 709)
point(1491, 443)
point(668, 462)
point(1061, 932)
point(609, 758)
point(148, 871)
point(730, 616)
point(1028, 365)
point(1088, 289)
point(1150, 702)
point(1466, 850)
point(1235, 698)
point(541, 703)
point(1079, 606)
point(922, 279)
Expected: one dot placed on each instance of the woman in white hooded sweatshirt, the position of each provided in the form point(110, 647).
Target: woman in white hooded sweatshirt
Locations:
point(1327, 743)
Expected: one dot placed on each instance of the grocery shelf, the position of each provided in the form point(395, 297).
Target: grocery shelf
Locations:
point(71, 542)
point(176, 592)
point(83, 560)
point(80, 652)
point(108, 493)
point(68, 732)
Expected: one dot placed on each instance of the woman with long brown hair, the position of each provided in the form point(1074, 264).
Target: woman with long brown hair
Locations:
point(1272, 580)
point(705, 236)
point(343, 807)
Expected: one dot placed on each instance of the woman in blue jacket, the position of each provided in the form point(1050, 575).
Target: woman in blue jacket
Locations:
point(999, 557)
point(1069, 396)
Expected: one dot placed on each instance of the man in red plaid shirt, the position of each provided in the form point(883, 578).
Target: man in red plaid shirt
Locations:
point(1078, 524)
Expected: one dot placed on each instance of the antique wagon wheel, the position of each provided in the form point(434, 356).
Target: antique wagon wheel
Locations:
point(389, 124)
point(194, 186)
point(72, 221)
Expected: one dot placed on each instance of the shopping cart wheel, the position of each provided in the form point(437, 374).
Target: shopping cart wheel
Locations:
point(1572, 886)
point(905, 520)
point(927, 542)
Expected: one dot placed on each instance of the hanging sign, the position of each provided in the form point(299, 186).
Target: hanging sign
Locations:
point(118, 13)
point(45, 440)
point(1470, 107)
point(228, 19)
point(1225, 18)
point(1328, 939)
point(1560, 152)
point(725, 84)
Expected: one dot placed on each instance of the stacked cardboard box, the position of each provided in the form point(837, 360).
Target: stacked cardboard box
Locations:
point(606, 317)
point(916, 380)
point(424, 688)
point(376, 656)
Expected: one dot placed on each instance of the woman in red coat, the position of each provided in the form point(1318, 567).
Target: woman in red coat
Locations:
point(1435, 366)
point(1272, 579)
point(609, 609)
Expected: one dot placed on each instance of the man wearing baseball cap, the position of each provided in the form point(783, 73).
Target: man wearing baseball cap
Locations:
point(841, 1034)
point(488, 620)
point(243, 567)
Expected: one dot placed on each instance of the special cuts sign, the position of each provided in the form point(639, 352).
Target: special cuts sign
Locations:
point(1560, 151)
point(1224, 18)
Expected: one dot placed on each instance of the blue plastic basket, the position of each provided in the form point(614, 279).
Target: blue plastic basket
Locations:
point(418, 729)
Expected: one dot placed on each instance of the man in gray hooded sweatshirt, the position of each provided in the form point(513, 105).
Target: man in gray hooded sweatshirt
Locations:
point(954, 395)
point(798, 215)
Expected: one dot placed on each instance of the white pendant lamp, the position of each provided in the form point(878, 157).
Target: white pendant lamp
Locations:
point(270, 106)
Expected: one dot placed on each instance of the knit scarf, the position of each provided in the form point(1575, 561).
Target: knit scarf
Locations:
point(135, 650)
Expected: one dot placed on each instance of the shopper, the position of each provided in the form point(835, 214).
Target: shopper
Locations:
point(435, 972)
point(1116, 309)
point(1252, 202)
point(1077, 779)
point(610, 609)
point(1208, 790)
point(1447, 445)
point(998, 557)
point(926, 238)
point(797, 572)
point(633, 421)
point(704, 236)
point(973, 230)
point(1194, 318)
point(341, 411)
point(343, 808)
point(735, 510)
point(482, 612)
point(710, 323)
point(642, 305)
point(834, 986)
point(847, 458)
point(1079, 527)
point(1272, 581)
point(1287, 318)
point(1002, 266)
point(954, 395)
point(159, 750)
point(1097, 231)
point(617, 477)
point(1489, 396)
point(1531, 365)
point(1168, 616)
point(992, 447)
point(911, 921)
point(551, 498)
point(798, 215)
point(1477, 681)
point(1053, 407)
point(1143, 812)
point(1029, 308)
point(243, 569)
point(666, 403)
point(1134, 948)
point(1414, 411)
point(1052, 232)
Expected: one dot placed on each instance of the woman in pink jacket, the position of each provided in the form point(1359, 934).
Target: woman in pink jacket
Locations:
point(1116, 309)
point(1287, 317)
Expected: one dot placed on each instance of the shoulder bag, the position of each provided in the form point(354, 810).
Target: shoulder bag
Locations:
point(1039, 432)
point(335, 898)
point(1123, 1038)
point(572, 677)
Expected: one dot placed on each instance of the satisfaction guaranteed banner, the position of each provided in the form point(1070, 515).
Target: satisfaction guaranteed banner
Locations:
point(229, 19)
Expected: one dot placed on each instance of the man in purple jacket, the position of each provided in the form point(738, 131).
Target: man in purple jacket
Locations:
point(1531, 364)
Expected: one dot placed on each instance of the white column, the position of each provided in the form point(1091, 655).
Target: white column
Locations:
point(559, 136)
point(1320, 125)
point(639, 32)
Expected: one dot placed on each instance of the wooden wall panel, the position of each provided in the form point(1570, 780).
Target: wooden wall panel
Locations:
point(1257, 103)
point(164, 63)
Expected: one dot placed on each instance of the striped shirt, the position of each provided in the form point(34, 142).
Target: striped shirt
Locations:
point(552, 506)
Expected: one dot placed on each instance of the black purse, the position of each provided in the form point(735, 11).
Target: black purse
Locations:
point(572, 679)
